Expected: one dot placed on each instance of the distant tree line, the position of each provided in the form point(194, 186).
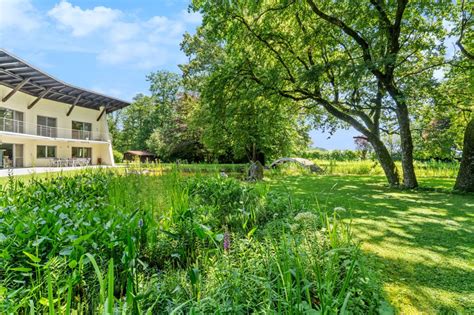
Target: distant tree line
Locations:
point(175, 124)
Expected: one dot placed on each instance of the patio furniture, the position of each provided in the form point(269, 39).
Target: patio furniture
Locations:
point(7, 162)
point(53, 162)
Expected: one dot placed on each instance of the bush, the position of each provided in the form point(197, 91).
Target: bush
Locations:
point(118, 156)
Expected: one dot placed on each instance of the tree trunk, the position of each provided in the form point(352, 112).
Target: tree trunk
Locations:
point(386, 161)
point(409, 176)
point(373, 137)
point(465, 179)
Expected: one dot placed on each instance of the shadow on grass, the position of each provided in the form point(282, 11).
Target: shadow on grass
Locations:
point(421, 238)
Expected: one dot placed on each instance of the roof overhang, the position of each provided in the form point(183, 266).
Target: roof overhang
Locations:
point(21, 76)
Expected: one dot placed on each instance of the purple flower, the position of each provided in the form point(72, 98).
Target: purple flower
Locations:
point(140, 223)
point(226, 241)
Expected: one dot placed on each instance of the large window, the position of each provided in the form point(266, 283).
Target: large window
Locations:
point(11, 120)
point(81, 130)
point(78, 152)
point(45, 151)
point(46, 126)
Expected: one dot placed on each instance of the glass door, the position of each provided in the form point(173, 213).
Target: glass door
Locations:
point(11, 120)
point(81, 130)
point(18, 155)
point(6, 155)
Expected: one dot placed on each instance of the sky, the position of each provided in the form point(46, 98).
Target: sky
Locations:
point(109, 46)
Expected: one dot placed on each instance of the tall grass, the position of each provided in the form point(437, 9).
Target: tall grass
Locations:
point(152, 242)
point(372, 167)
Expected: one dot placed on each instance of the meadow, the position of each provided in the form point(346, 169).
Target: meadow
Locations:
point(167, 239)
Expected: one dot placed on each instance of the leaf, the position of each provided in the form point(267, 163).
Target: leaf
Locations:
point(251, 232)
point(82, 238)
point(72, 264)
point(21, 269)
point(32, 257)
point(38, 241)
point(44, 301)
point(66, 251)
point(193, 275)
point(200, 231)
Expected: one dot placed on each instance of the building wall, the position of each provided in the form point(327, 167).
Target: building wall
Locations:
point(20, 101)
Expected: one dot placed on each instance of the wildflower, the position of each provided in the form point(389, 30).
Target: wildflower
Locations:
point(304, 217)
point(140, 223)
point(339, 209)
point(226, 241)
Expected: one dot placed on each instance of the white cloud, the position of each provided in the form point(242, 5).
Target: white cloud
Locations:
point(123, 31)
point(83, 22)
point(113, 36)
point(18, 14)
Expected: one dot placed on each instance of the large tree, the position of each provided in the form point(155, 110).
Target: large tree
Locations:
point(133, 126)
point(463, 77)
point(180, 137)
point(358, 60)
point(239, 119)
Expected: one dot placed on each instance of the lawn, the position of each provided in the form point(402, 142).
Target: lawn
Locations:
point(422, 241)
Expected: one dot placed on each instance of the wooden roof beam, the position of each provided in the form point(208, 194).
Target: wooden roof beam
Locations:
point(18, 87)
point(73, 105)
point(43, 94)
point(102, 113)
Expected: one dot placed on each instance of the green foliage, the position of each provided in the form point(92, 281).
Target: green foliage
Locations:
point(440, 123)
point(411, 237)
point(178, 137)
point(238, 117)
point(118, 156)
point(341, 63)
point(51, 227)
point(160, 123)
point(136, 124)
point(96, 243)
point(335, 155)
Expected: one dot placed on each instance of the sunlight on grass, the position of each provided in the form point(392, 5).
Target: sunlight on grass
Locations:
point(420, 240)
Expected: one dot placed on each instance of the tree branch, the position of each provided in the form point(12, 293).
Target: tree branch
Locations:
point(353, 34)
point(270, 47)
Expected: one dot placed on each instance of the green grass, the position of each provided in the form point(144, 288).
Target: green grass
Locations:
point(419, 243)
point(422, 240)
point(371, 167)
point(110, 242)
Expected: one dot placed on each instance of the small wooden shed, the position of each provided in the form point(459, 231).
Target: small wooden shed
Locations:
point(144, 156)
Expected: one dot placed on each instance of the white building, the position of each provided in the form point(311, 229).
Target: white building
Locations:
point(46, 122)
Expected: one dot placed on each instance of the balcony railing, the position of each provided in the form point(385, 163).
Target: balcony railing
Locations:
point(18, 126)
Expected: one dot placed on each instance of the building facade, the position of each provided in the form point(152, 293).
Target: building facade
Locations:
point(46, 122)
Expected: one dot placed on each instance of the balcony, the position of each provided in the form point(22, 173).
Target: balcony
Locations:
point(20, 127)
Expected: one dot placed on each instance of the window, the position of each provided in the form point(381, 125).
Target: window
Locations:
point(45, 151)
point(46, 126)
point(11, 120)
point(81, 130)
point(78, 152)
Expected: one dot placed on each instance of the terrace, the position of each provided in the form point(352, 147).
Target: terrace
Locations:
point(21, 128)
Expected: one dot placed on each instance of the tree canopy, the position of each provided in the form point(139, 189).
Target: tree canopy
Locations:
point(362, 62)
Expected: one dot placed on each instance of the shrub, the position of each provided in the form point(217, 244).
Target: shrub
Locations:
point(118, 156)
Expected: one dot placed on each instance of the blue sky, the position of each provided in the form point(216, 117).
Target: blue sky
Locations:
point(108, 46)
